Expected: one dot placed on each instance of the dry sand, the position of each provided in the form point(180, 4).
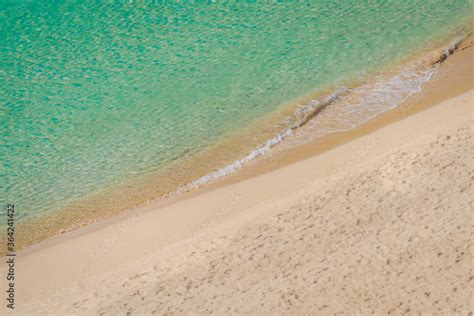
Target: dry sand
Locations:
point(381, 224)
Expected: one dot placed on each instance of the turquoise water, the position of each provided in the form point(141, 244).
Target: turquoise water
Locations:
point(95, 94)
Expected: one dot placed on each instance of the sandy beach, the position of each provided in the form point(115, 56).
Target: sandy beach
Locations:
point(375, 220)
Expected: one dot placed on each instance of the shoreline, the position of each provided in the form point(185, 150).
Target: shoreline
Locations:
point(435, 91)
point(66, 223)
point(127, 249)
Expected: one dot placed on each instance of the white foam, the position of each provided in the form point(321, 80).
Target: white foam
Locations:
point(340, 113)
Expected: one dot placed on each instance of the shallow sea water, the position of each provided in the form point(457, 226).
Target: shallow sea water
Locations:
point(98, 95)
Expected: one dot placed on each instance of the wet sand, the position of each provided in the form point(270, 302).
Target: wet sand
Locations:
point(142, 189)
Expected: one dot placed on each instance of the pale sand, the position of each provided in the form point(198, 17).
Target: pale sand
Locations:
point(380, 224)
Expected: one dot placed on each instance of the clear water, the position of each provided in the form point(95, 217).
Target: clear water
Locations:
point(95, 94)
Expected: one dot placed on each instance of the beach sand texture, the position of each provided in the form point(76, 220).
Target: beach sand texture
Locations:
point(382, 224)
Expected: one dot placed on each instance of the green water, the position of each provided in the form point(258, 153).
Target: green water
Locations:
point(95, 94)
